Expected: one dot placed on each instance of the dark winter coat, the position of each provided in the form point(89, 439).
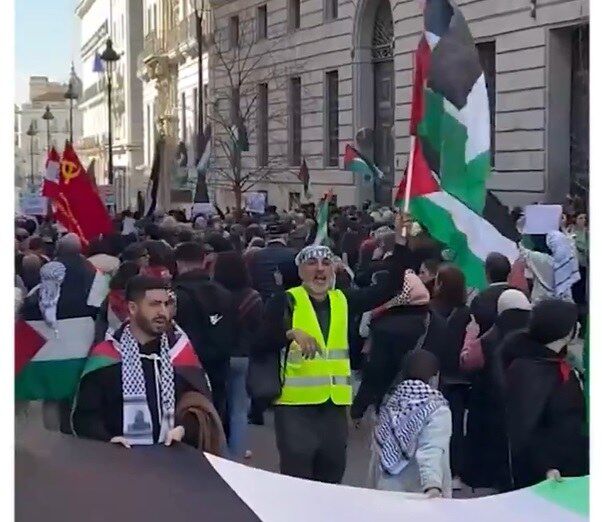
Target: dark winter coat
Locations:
point(98, 411)
point(205, 313)
point(484, 305)
point(545, 414)
point(487, 444)
point(265, 262)
point(248, 312)
point(392, 336)
point(455, 319)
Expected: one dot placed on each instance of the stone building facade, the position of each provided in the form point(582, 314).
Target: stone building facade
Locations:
point(121, 20)
point(332, 72)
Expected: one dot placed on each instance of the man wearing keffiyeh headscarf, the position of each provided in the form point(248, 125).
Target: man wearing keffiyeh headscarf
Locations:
point(131, 400)
point(311, 320)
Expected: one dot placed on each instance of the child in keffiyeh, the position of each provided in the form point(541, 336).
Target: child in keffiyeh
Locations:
point(410, 450)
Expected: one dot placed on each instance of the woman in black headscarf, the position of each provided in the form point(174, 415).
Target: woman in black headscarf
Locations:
point(545, 403)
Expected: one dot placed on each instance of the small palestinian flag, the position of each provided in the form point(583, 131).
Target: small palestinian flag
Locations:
point(48, 363)
point(356, 162)
point(451, 156)
point(303, 177)
point(322, 232)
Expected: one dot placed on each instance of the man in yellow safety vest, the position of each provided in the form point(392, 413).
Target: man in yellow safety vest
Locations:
point(307, 325)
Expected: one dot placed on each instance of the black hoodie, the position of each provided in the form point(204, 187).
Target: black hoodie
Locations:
point(205, 312)
point(545, 414)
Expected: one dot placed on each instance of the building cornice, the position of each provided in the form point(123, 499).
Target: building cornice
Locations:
point(83, 7)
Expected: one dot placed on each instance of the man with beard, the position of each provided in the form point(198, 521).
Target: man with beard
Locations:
point(311, 321)
point(134, 381)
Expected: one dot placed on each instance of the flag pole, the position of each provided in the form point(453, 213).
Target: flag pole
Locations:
point(410, 169)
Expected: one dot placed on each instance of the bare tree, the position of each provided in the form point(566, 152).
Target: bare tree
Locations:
point(241, 63)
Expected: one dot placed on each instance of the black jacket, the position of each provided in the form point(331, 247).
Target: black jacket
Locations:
point(544, 415)
point(484, 305)
point(391, 337)
point(263, 263)
point(487, 464)
point(98, 411)
point(205, 311)
point(248, 310)
point(455, 319)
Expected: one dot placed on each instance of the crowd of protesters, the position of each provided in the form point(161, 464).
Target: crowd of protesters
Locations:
point(462, 386)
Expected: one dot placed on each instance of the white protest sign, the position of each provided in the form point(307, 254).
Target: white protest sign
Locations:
point(206, 209)
point(255, 202)
point(33, 205)
point(541, 219)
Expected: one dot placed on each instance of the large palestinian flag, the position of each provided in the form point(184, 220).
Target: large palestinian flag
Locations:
point(59, 478)
point(48, 363)
point(451, 156)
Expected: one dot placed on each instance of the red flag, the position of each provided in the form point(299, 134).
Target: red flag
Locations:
point(79, 199)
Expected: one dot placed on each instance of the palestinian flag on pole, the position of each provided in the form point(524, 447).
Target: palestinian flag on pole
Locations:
point(450, 157)
point(358, 163)
point(322, 232)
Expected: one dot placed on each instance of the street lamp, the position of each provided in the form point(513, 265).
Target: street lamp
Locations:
point(110, 56)
point(32, 132)
point(48, 116)
point(71, 95)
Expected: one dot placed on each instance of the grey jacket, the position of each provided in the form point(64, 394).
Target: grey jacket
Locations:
point(428, 468)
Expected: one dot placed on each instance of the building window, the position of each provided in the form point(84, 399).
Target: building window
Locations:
point(331, 9)
point(234, 106)
point(184, 133)
point(332, 118)
point(579, 136)
point(262, 22)
point(154, 17)
point(262, 125)
point(234, 31)
point(294, 14)
point(294, 122)
point(195, 110)
point(486, 52)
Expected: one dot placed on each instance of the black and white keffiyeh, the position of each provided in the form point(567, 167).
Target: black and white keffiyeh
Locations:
point(52, 276)
point(401, 419)
point(137, 420)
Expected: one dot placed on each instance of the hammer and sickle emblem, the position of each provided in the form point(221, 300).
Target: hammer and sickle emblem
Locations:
point(69, 170)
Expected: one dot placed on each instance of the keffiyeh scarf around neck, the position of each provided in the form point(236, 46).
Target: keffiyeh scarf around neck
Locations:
point(137, 420)
point(566, 265)
point(52, 276)
point(400, 421)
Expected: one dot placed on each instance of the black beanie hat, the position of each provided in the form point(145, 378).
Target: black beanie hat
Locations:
point(552, 319)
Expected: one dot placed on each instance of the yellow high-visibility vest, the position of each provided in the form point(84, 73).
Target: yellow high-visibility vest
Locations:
point(328, 376)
